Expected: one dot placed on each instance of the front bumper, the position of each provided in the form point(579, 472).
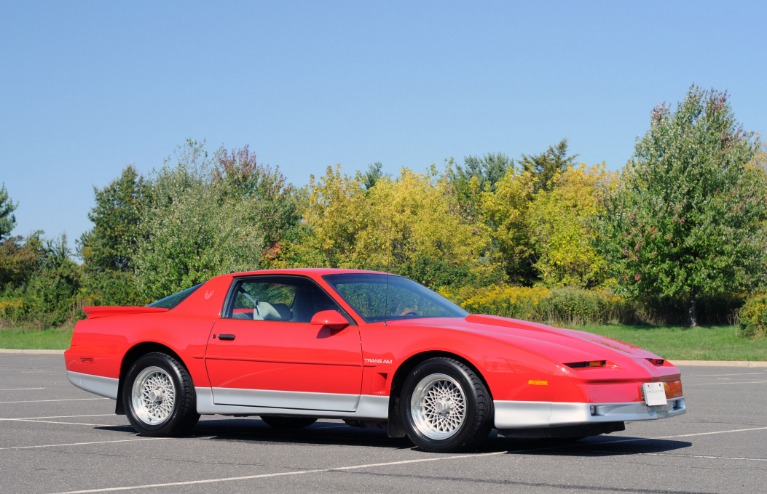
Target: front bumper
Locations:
point(536, 414)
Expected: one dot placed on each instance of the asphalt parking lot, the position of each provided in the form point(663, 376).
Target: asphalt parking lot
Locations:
point(56, 438)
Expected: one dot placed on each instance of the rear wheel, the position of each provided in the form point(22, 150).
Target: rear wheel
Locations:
point(279, 422)
point(159, 396)
point(445, 406)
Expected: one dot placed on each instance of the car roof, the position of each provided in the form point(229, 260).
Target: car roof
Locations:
point(311, 272)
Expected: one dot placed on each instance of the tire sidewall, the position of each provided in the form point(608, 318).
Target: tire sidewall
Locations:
point(173, 369)
point(466, 434)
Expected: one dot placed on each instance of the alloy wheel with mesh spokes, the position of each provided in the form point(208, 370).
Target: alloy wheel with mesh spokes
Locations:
point(438, 406)
point(153, 395)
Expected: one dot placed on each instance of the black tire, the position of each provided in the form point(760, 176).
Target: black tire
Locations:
point(445, 407)
point(159, 396)
point(279, 422)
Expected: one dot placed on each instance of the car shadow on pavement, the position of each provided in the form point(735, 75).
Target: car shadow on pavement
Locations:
point(590, 446)
point(322, 432)
point(338, 433)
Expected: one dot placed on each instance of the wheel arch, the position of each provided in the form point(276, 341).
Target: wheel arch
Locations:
point(131, 357)
point(394, 426)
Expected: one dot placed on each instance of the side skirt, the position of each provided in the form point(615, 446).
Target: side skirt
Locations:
point(368, 407)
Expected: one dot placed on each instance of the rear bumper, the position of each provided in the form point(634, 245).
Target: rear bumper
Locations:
point(102, 386)
point(535, 414)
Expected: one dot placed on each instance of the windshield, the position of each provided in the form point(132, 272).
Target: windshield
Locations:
point(383, 297)
point(171, 301)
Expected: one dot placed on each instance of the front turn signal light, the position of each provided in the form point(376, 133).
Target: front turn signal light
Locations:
point(587, 364)
point(673, 389)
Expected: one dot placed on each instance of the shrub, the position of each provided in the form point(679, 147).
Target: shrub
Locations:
point(753, 316)
point(567, 305)
point(10, 310)
point(716, 310)
point(570, 305)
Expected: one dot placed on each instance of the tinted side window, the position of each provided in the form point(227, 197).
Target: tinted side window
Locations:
point(172, 301)
point(277, 298)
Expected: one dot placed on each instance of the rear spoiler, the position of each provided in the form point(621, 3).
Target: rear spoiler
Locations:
point(94, 312)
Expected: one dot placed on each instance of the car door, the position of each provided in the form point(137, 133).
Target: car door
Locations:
point(264, 352)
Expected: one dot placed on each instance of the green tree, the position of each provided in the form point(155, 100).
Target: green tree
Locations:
point(474, 176)
point(108, 249)
point(51, 294)
point(19, 258)
point(687, 219)
point(545, 166)
point(238, 176)
point(373, 174)
point(116, 217)
point(207, 215)
point(7, 218)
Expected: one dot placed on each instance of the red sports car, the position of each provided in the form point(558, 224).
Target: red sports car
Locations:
point(294, 345)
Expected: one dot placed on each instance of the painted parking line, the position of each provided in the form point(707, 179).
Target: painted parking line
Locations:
point(38, 421)
point(700, 457)
point(61, 417)
point(287, 474)
point(730, 383)
point(48, 420)
point(91, 443)
point(680, 436)
point(22, 389)
point(393, 463)
point(50, 401)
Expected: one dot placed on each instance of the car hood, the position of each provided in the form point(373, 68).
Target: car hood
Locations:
point(556, 344)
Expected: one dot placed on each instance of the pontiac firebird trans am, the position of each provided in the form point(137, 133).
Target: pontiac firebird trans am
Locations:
point(295, 345)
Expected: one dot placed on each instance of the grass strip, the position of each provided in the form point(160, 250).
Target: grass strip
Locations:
point(673, 343)
point(685, 343)
point(35, 339)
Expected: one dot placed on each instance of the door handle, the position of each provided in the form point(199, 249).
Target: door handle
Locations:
point(226, 337)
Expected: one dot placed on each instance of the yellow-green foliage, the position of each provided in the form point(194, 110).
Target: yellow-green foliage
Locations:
point(561, 234)
point(753, 316)
point(334, 213)
point(505, 210)
point(415, 215)
point(500, 300)
point(395, 225)
point(568, 305)
point(9, 309)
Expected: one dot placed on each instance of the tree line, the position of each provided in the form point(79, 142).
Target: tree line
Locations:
point(679, 231)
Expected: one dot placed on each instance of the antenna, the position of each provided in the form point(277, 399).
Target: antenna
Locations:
point(386, 300)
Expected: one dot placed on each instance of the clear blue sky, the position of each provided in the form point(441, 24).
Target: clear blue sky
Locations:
point(88, 87)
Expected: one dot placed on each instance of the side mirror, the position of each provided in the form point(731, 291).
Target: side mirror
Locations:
point(331, 319)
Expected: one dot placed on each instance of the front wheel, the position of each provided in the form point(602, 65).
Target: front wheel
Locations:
point(159, 396)
point(445, 406)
